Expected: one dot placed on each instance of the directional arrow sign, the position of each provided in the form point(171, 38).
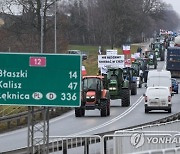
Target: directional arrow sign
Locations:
point(40, 79)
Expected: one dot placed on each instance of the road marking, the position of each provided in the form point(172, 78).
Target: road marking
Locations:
point(112, 120)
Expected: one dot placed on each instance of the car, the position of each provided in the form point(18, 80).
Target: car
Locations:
point(84, 55)
point(157, 98)
point(175, 85)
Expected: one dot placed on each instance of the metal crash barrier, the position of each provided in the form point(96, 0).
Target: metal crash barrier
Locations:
point(121, 142)
point(164, 151)
point(71, 144)
point(126, 142)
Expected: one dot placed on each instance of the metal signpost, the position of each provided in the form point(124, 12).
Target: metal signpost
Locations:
point(40, 80)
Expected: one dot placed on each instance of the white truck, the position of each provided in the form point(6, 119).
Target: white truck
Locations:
point(159, 78)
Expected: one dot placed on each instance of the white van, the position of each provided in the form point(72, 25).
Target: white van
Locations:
point(157, 98)
point(159, 78)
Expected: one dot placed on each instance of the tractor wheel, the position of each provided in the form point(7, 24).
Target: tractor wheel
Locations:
point(146, 110)
point(79, 112)
point(125, 97)
point(162, 58)
point(104, 109)
point(134, 89)
point(155, 66)
point(108, 110)
point(169, 110)
point(140, 84)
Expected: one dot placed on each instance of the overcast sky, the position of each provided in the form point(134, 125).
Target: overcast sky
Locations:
point(175, 4)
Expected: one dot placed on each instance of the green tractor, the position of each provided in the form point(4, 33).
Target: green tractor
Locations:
point(144, 67)
point(137, 73)
point(159, 50)
point(152, 60)
point(128, 75)
point(118, 86)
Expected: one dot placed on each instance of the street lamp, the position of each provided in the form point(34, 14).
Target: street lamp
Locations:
point(55, 27)
point(42, 25)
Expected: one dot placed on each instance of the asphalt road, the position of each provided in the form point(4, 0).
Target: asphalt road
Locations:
point(92, 123)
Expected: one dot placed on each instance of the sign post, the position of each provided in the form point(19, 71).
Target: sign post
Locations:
point(40, 79)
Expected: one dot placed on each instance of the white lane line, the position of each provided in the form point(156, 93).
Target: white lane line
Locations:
point(112, 120)
point(61, 117)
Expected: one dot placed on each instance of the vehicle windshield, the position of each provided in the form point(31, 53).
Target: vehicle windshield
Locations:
point(112, 73)
point(157, 45)
point(91, 83)
point(173, 81)
point(135, 66)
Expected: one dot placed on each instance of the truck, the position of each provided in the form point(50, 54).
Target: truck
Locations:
point(173, 61)
point(159, 78)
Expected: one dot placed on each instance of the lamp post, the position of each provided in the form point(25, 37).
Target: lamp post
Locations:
point(42, 25)
point(55, 28)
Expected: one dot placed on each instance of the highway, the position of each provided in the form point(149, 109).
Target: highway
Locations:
point(92, 123)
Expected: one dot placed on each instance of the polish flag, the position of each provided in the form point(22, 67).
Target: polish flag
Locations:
point(126, 50)
point(84, 71)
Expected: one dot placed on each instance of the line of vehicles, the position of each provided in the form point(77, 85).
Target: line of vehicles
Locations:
point(120, 83)
point(116, 83)
point(161, 84)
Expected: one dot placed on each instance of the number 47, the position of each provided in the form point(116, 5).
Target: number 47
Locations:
point(72, 85)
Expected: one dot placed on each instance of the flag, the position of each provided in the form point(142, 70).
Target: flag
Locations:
point(126, 50)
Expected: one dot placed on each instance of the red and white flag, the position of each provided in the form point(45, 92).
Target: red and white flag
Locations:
point(126, 49)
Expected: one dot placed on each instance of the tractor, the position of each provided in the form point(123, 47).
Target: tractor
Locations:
point(144, 67)
point(128, 75)
point(137, 73)
point(159, 50)
point(118, 86)
point(94, 96)
point(152, 60)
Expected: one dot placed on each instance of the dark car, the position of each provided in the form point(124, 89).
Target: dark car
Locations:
point(175, 86)
point(84, 55)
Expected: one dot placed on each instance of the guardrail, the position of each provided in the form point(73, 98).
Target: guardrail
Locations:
point(164, 151)
point(11, 121)
point(104, 142)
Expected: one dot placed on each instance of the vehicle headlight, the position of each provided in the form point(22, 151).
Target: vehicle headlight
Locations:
point(112, 88)
point(87, 97)
point(90, 97)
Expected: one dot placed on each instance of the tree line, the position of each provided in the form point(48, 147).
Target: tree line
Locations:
point(94, 22)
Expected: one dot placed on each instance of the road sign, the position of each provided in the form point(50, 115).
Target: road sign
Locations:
point(40, 79)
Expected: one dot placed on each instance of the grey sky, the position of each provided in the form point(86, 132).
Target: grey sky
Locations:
point(175, 4)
